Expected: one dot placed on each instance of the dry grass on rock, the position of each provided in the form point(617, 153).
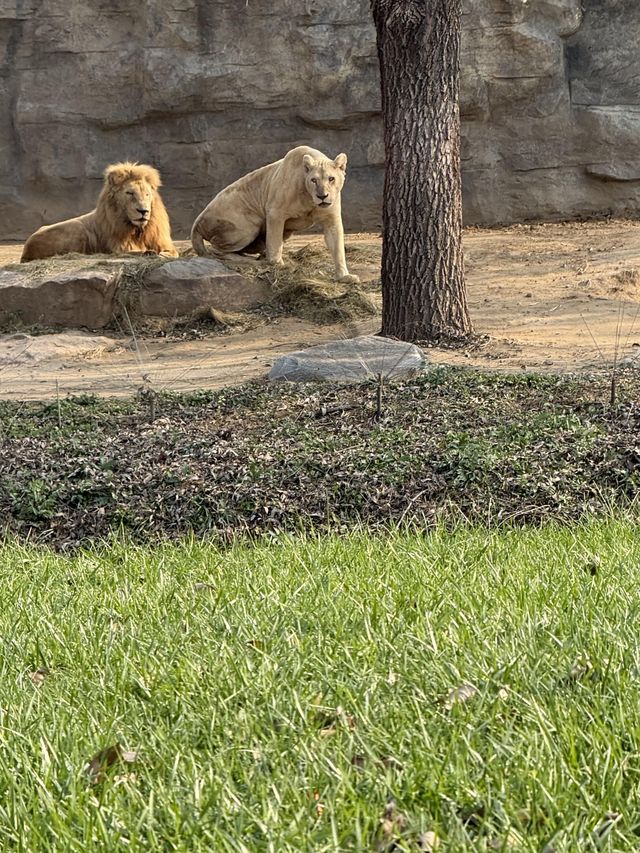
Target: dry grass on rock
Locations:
point(305, 286)
point(134, 266)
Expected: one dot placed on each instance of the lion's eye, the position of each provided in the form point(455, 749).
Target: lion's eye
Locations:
point(314, 180)
point(332, 180)
point(130, 193)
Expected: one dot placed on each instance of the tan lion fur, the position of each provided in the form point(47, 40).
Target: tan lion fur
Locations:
point(129, 217)
point(260, 211)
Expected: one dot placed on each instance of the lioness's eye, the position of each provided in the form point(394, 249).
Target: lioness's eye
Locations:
point(314, 180)
point(332, 180)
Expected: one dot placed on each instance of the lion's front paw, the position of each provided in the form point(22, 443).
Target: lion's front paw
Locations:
point(349, 279)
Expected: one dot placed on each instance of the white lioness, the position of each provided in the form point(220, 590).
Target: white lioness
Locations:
point(259, 211)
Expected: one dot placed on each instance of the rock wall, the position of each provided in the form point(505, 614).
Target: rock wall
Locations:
point(209, 89)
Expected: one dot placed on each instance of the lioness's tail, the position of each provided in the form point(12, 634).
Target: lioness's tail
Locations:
point(197, 240)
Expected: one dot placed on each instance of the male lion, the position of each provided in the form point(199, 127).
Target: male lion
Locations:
point(129, 217)
point(262, 209)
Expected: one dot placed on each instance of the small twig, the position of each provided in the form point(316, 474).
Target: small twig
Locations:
point(329, 411)
point(411, 503)
point(595, 342)
point(614, 367)
point(146, 392)
point(612, 398)
point(379, 398)
point(59, 406)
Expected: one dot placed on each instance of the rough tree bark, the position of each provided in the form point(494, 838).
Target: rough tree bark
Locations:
point(424, 296)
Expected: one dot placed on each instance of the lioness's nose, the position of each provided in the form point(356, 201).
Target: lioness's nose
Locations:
point(322, 195)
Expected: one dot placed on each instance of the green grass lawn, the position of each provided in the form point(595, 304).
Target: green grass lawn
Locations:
point(277, 697)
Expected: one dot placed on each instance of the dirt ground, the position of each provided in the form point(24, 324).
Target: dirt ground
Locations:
point(547, 298)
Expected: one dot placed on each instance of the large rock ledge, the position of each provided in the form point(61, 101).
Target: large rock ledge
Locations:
point(84, 294)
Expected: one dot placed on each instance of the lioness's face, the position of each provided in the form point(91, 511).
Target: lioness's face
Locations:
point(324, 179)
point(136, 198)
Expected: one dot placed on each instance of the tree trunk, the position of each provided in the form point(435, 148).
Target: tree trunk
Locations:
point(423, 288)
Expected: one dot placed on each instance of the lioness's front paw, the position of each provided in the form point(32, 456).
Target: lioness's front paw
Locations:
point(349, 279)
point(277, 262)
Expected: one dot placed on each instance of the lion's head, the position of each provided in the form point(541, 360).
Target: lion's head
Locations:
point(324, 178)
point(131, 190)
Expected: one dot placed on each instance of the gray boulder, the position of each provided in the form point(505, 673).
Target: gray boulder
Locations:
point(82, 297)
point(187, 286)
point(351, 360)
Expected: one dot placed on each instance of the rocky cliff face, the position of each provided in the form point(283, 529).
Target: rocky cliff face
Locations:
point(209, 89)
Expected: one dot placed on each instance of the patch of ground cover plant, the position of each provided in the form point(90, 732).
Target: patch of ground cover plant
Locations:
point(458, 690)
point(266, 458)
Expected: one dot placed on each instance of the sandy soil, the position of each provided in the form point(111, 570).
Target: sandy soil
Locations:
point(559, 297)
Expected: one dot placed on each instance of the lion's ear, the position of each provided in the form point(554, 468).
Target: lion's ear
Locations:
point(341, 162)
point(152, 177)
point(113, 175)
point(308, 162)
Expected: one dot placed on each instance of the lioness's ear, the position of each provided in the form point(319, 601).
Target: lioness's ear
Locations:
point(341, 162)
point(308, 162)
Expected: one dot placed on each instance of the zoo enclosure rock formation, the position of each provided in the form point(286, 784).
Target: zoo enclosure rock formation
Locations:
point(185, 286)
point(82, 296)
point(67, 299)
point(208, 89)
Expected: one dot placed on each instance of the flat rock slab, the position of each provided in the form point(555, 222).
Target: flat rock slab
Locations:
point(351, 360)
point(193, 284)
point(623, 171)
point(29, 349)
point(82, 297)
